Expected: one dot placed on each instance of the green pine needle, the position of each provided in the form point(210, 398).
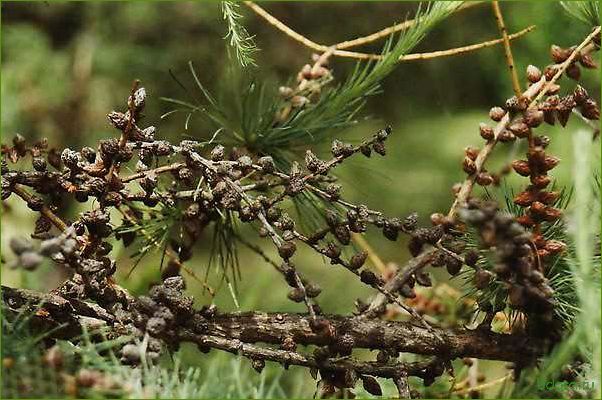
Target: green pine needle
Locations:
point(239, 39)
point(587, 12)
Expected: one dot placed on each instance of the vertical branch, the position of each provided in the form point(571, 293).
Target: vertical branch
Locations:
point(507, 50)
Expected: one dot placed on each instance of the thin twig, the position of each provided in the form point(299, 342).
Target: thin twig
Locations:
point(284, 28)
point(387, 32)
point(45, 211)
point(368, 56)
point(566, 64)
point(507, 49)
point(464, 49)
point(128, 128)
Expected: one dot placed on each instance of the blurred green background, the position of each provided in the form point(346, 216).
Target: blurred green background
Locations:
point(66, 64)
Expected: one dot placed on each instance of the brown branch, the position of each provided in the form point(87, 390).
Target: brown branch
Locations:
point(272, 328)
point(157, 171)
point(566, 64)
point(401, 278)
point(126, 131)
point(534, 92)
point(499, 18)
point(284, 28)
point(468, 184)
point(464, 49)
point(239, 347)
point(368, 56)
point(45, 211)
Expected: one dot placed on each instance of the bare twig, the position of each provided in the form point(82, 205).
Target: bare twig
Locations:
point(387, 32)
point(499, 18)
point(401, 278)
point(336, 51)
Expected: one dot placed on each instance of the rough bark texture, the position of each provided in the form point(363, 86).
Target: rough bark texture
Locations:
point(273, 328)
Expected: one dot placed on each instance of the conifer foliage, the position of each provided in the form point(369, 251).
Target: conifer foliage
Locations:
point(518, 254)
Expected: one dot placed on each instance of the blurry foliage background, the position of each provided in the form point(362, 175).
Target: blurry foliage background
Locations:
point(66, 64)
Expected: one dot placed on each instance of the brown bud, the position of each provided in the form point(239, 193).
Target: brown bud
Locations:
point(559, 54)
point(358, 260)
point(343, 235)
point(296, 295)
point(380, 148)
point(521, 167)
point(469, 166)
point(550, 162)
point(516, 104)
point(573, 71)
point(484, 179)
point(549, 116)
point(524, 199)
point(482, 278)
point(533, 118)
point(471, 152)
point(590, 110)
point(371, 385)
point(520, 129)
point(580, 94)
point(549, 72)
point(555, 246)
point(332, 251)
point(497, 113)
point(551, 214)
point(369, 277)
point(471, 258)
point(548, 198)
point(533, 74)
point(525, 220)
point(119, 120)
point(540, 181)
point(312, 162)
point(506, 136)
point(288, 344)
point(587, 61)
point(538, 208)
point(258, 365)
point(453, 265)
point(486, 131)
point(287, 249)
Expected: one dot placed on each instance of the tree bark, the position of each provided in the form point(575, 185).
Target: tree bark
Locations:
point(272, 328)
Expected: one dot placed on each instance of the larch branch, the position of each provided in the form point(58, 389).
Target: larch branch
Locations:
point(499, 18)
